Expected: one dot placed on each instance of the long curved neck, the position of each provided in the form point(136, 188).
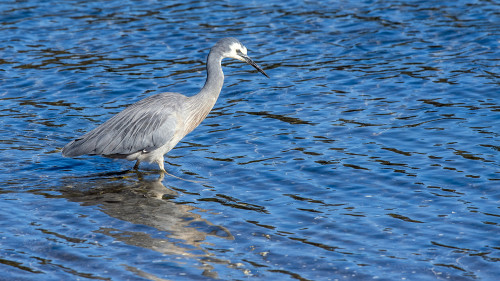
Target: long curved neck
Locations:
point(215, 78)
point(199, 105)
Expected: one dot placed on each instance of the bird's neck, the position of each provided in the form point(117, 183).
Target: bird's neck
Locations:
point(199, 105)
point(215, 78)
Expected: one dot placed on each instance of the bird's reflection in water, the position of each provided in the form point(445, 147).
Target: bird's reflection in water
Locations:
point(131, 197)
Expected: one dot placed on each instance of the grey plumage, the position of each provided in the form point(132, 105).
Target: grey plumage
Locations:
point(151, 127)
point(143, 126)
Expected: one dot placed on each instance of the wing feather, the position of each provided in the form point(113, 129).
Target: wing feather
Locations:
point(146, 125)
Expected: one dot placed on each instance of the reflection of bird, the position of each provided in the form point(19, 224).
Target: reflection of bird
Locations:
point(151, 127)
point(172, 228)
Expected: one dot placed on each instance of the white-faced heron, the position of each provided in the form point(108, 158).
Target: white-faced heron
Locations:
point(149, 128)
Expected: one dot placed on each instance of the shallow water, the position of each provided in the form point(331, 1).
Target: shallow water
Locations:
point(371, 153)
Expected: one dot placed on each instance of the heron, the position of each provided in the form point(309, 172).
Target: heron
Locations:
point(148, 129)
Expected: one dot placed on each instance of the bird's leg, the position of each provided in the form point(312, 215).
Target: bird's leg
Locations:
point(136, 166)
point(161, 164)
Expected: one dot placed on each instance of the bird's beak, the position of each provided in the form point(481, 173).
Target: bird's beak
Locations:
point(252, 63)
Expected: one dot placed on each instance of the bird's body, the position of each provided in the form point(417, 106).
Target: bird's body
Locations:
point(151, 127)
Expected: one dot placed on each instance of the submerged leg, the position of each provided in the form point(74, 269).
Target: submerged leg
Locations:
point(136, 166)
point(161, 165)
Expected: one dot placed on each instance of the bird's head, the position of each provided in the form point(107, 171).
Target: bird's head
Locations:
point(232, 48)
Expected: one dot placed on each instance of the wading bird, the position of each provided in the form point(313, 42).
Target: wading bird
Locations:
point(149, 128)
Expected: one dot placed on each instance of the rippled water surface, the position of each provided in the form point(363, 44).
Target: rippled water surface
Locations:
point(371, 153)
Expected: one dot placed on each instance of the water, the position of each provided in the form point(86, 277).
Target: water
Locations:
point(371, 153)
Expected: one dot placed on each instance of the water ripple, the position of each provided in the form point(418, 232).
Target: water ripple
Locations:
point(371, 153)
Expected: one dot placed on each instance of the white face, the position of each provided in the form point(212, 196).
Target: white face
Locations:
point(233, 51)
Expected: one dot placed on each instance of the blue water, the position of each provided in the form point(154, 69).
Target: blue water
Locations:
point(371, 153)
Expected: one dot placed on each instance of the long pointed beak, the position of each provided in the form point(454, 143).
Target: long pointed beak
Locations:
point(252, 63)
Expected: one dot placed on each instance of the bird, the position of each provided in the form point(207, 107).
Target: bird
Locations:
point(148, 129)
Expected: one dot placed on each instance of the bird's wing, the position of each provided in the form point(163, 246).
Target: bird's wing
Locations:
point(143, 126)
